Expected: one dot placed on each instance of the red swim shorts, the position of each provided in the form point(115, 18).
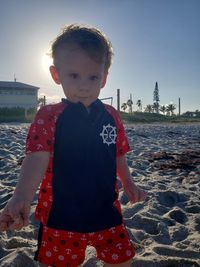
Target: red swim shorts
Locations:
point(67, 249)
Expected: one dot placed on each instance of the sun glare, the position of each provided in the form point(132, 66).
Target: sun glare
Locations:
point(46, 62)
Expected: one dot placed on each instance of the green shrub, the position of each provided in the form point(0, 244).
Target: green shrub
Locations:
point(16, 114)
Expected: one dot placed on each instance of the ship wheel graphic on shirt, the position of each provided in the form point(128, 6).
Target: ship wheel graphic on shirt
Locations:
point(108, 134)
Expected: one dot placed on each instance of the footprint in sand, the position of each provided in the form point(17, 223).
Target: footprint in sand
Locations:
point(195, 209)
point(171, 251)
point(178, 215)
point(170, 198)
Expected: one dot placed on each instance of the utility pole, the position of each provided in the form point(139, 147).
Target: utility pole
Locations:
point(179, 106)
point(131, 108)
point(44, 100)
point(118, 99)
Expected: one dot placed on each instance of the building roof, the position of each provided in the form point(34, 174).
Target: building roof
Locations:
point(14, 85)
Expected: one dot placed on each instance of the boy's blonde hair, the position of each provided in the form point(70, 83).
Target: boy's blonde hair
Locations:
point(91, 40)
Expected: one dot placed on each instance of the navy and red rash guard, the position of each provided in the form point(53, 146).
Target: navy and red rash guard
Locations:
point(79, 191)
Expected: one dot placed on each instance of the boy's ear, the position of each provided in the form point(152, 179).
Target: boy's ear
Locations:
point(54, 74)
point(104, 80)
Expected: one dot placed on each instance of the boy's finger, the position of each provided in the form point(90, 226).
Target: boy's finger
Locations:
point(26, 222)
point(3, 226)
point(5, 220)
point(14, 214)
point(17, 227)
point(17, 224)
point(25, 215)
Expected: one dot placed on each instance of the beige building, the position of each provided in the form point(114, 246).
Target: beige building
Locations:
point(16, 94)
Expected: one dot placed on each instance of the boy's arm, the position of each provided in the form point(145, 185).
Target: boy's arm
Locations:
point(16, 213)
point(134, 193)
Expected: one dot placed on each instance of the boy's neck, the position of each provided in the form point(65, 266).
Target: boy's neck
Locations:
point(65, 100)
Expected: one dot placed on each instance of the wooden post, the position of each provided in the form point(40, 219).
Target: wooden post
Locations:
point(44, 100)
point(131, 108)
point(179, 106)
point(118, 99)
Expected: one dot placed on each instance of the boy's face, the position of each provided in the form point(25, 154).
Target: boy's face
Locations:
point(80, 76)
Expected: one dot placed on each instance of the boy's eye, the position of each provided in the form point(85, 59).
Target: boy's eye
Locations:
point(94, 78)
point(73, 75)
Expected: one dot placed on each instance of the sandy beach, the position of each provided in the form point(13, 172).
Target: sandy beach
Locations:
point(165, 229)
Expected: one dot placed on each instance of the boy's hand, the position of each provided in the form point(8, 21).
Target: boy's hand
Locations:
point(133, 192)
point(15, 215)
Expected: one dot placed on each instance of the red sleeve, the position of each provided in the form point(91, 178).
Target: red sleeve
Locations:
point(40, 135)
point(122, 140)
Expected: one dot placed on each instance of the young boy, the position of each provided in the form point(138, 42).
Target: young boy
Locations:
point(76, 148)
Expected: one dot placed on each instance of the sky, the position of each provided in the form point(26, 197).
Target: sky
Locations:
point(153, 40)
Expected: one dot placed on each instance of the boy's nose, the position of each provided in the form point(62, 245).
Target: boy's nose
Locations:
point(83, 86)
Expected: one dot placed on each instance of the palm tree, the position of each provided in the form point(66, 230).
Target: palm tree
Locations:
point(156, 98)
point(41, 101)
point(163, 109)
point(139, 104)
point(170, 109)
point(129, 104)
point(149, 108)
point(124, 106)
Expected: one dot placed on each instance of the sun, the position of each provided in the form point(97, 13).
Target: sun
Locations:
point(46, 62)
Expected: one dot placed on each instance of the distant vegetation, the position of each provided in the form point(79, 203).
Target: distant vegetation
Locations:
point(155, 112)
point(151, 113)
point(146, 117)
point(20, 115)
point(155, 107)
point(16, 114)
